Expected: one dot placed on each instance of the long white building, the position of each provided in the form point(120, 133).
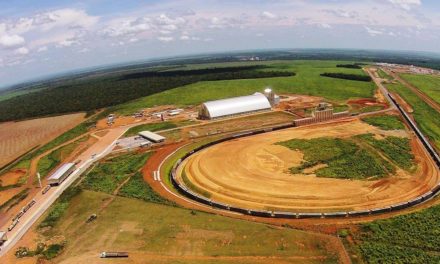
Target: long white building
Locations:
point(234, 106)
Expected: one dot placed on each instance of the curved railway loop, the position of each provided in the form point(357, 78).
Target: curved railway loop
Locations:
point(254, 179)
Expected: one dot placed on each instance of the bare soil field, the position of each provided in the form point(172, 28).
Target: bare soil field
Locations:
point(252, 172)
point(16, 138)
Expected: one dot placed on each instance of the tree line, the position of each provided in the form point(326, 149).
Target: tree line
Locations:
point(347, 76)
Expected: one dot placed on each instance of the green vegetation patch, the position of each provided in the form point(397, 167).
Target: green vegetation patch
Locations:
point(411, 238)
point(151, 127)
point(107, 175)
point(397, 149)
point(427, 118)
point(344, 158)
point(137, 188)
point(385, 122)
point(53, 159)
point(59, 207)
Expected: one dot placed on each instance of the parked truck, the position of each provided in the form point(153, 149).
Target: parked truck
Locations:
point(114, 254)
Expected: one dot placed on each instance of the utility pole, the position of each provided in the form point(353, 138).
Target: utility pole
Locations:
point(39, 179)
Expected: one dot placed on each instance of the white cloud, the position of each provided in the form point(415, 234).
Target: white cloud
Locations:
point(373, 32)
point(41, 49)
point(11, 40)
point(268, 15)
point(325, 25)
point(21, 51)
point(165, 39)
point(406, 4)
point(259, 35)
point(184, 37)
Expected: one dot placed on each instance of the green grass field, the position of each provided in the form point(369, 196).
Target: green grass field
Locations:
point(343, 157)
point(307, 81)
point(176, 235)
point(109, 173)
point(426, 117)
point(385, 122)
point(428, 84)
point(412, 238)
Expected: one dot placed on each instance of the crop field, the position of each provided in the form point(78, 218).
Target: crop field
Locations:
point(254, 172)
point(167, 234)
point(16, 138)
point(428, 84)
point(411, 238)
point(306, 81)
point(385, 122)
point(426, 117)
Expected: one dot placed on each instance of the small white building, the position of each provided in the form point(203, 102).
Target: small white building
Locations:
point(156, 138)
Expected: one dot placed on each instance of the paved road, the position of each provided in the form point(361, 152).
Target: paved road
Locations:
point(101, 148)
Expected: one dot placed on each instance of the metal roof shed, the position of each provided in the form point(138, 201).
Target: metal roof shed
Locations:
point(152, 136)
point(61, 171)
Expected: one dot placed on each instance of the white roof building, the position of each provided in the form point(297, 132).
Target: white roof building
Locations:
point(151, 136)
point(61, 171)
point(235, 105)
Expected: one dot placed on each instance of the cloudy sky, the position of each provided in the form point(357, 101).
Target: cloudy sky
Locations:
point(41, 37)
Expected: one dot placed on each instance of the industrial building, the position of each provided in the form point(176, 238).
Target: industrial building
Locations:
point(156, 138)
point(61, 174)
point(323, 112)
point(239, 105)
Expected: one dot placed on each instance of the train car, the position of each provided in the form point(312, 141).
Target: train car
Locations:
point(260, 213)
point(335, 214)
point(13, 224)
point(290, 215)
point(415, 201)
point(359, 213)
point(399, 206)
point(46, 189)
point(381, 210)
point(309, 215)
point(427, 195)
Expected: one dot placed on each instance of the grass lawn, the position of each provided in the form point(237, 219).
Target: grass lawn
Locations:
point(343, 157)
point(176, 235)
point(428, 84)
point(385, 122)
point(150, 127)
point(427, 118)
point(411, 238)
point(307, 81)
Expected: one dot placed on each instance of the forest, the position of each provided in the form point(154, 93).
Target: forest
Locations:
point(98, 92)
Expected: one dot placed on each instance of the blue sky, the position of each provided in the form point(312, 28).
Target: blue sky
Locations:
point(44, 37)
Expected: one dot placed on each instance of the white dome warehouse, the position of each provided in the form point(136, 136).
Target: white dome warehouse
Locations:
point(234, 106)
